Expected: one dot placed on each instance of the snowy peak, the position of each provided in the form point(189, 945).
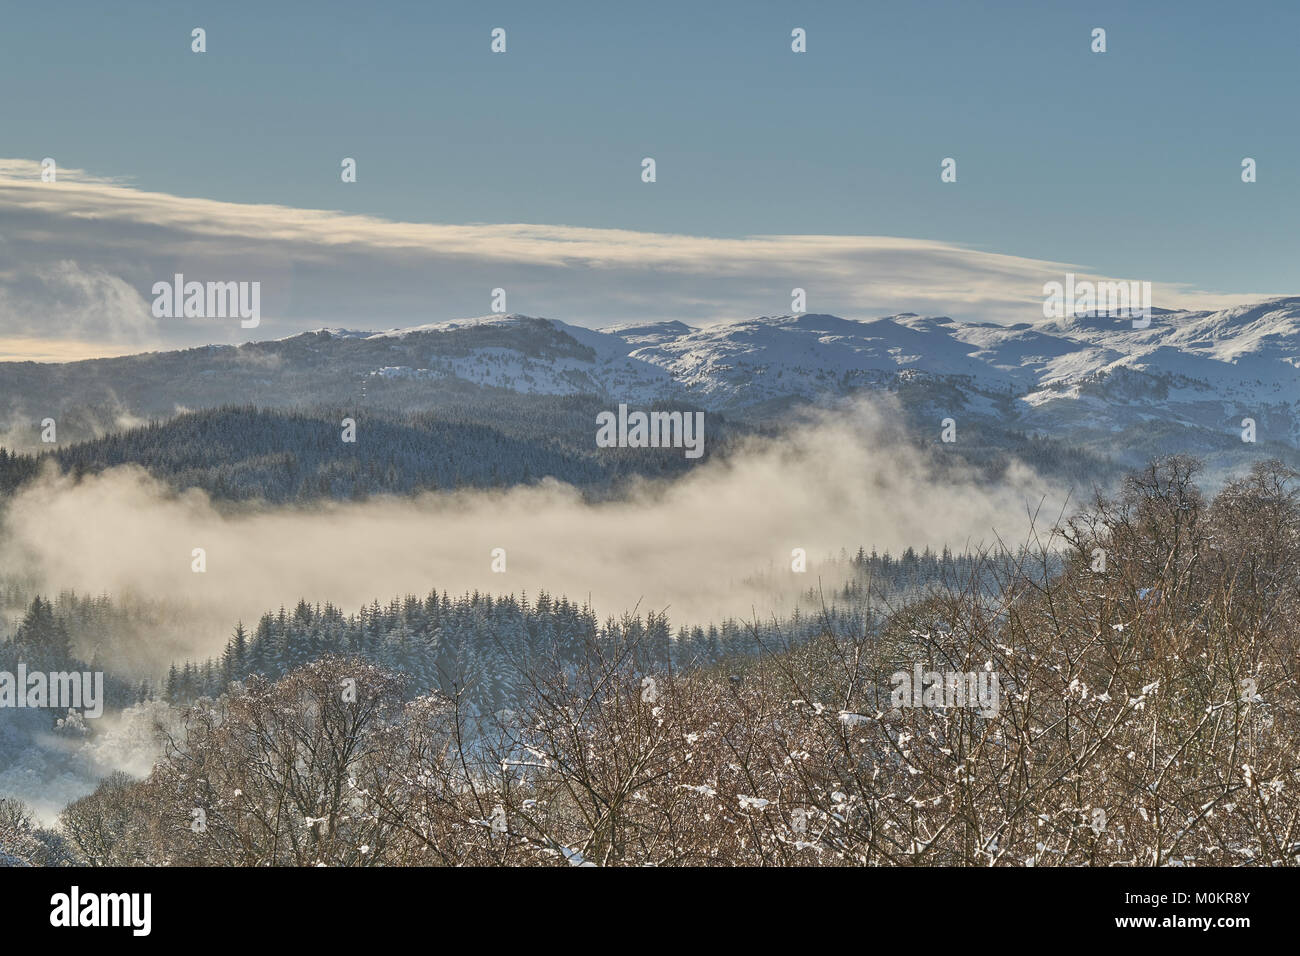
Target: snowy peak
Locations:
point(1244, 353)
point(648, 333)
point(1086, 376)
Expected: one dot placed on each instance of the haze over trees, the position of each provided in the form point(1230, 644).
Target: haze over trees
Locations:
point(1149, 715)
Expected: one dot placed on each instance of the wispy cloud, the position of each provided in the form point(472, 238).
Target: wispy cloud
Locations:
point(78, 259)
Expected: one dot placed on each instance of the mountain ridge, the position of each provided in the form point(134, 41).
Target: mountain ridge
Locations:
point(1087, 378)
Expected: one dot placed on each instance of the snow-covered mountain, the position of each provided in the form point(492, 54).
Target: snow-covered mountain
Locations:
point(1236, 349)
point(1208, 369)
point(1087, 380)
point(1246, 353)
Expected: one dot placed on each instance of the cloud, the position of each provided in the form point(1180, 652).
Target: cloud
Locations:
point(714, 543)
point(81, 303)
point(84, 240)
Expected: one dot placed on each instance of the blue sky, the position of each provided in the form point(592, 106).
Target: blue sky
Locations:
point(1127, 162)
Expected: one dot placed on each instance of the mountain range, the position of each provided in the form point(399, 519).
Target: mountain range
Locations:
point(1186, 382)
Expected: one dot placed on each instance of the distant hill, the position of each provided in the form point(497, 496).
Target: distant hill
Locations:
point(240, 453)
point(1095, 384)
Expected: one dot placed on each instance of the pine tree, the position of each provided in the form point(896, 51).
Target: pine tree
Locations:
point(42, 636)
point(234, 658)
point(171, 690)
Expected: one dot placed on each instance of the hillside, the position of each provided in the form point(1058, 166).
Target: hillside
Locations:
point(1185, 383)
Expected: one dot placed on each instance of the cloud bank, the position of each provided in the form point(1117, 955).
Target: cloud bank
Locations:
point(836, 480)
point(78, 259)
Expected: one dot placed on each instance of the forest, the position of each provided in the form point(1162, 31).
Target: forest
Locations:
point(1149, 716)
point(258, 454)
point(243, 453)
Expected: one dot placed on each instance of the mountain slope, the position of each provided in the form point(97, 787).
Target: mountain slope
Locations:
point(1191, 377)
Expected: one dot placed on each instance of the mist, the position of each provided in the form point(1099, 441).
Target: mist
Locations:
point(832, 480)
point(47, 770)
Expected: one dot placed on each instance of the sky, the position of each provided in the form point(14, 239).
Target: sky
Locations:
point(1123, 164)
